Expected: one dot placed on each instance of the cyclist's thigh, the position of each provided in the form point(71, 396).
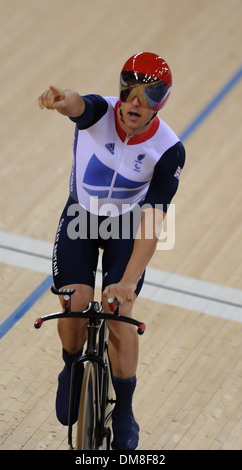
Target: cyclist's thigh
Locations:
point(74, 258)
point(116, 255)
point(74, 264)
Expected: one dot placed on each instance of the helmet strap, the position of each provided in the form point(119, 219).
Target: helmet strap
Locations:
point(152, 117)
point(121, 113)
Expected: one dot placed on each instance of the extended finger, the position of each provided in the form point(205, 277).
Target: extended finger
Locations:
point(49, 97)
point(59, 97)
point(57, 91)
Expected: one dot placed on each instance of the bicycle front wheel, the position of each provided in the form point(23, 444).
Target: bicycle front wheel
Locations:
point(89, 410)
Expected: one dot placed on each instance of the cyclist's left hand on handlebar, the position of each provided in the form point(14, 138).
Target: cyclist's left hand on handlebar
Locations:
point(121, 291)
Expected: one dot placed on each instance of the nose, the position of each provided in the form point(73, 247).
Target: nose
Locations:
point(136, 101)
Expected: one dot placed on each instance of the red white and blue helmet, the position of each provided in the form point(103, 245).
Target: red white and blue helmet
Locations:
point(147, 76)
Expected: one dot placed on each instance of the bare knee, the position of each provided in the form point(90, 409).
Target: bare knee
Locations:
point(82, 296)
point(72, 334)
point(73, 331)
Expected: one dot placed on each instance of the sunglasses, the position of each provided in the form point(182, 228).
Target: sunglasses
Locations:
point(149, 90)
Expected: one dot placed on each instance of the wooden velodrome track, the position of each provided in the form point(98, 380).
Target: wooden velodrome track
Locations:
point(189, 387)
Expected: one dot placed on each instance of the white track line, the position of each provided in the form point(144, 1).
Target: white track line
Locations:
point(160, 286)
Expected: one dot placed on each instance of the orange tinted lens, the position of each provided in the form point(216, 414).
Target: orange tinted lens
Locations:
point(132, 92)
point(149, 94)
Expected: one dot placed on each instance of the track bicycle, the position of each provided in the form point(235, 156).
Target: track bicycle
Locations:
point(94, 430)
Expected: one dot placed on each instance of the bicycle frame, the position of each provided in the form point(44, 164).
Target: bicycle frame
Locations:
point(94, 352)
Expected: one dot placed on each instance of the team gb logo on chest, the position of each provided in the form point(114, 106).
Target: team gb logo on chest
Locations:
point(138, 162)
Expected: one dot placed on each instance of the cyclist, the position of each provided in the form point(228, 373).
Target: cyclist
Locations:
point(125, 157)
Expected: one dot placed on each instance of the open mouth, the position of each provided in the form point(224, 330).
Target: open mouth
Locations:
point(133, 115)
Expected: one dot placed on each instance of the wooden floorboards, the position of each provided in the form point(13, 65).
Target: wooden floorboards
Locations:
point(188, 394)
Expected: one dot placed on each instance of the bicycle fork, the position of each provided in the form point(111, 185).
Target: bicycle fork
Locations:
point(91, 355)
